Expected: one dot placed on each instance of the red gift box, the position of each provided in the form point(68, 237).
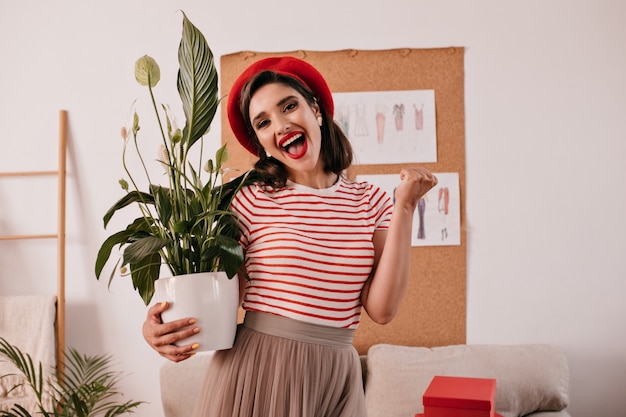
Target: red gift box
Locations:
point(449, 396)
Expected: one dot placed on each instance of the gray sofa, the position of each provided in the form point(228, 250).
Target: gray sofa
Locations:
point(531, 380)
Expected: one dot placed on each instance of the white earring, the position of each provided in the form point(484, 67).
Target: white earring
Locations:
point(319, 120)
point(269, 155)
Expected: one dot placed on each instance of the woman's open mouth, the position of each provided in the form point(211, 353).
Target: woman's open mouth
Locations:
point(294, 146)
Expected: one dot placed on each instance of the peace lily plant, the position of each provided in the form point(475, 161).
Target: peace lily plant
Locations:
point(185, 225)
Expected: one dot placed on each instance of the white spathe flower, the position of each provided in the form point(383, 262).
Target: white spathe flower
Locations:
point(132, 123)
point(164, 157)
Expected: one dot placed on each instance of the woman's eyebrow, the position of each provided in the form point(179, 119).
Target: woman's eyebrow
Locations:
point(279, 104)
point(284, 100)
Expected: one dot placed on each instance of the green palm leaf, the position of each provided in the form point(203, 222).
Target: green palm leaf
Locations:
point(24, 363)
point(89, 386)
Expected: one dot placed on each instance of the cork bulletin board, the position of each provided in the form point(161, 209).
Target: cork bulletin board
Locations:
point(433, 312)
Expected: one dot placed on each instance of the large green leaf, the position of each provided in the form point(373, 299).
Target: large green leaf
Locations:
point(144, 273)
point(231, 255)
point(131, 197)
point(143, 247)
point(197, 83)
point(144, 259)
point(107, 246)
point(229, 252)
point(163, 203)
point(136, 228)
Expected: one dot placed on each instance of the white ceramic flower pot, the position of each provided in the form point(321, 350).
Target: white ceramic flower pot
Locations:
point(211, 298)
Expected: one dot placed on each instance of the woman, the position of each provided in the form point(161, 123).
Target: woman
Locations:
point(319, 248)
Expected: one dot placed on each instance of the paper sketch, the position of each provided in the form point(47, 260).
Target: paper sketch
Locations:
point(389, 127)
point(437, 220)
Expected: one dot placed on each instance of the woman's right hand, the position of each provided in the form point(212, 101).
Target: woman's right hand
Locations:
point(163, 336)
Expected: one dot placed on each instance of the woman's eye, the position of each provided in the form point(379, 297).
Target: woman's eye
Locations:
point(262, 124)
point(290, 106)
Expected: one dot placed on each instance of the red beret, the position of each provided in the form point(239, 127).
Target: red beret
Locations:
point(285, 65)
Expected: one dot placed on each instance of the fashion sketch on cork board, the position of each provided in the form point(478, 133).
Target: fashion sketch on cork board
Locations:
point(437, 220)
point(389, 127)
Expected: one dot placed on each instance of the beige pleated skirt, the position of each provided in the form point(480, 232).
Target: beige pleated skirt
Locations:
point(281, 367)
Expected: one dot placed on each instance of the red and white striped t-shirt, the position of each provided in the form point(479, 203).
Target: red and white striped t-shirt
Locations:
point(309, 251)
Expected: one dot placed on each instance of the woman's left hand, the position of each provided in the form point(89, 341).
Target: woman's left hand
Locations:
point(414, 184)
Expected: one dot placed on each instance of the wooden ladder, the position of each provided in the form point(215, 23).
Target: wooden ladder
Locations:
point(61, 173)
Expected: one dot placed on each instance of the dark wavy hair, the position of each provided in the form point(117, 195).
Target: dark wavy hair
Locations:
point(336, 151)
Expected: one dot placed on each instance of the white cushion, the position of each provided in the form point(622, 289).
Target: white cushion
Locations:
point(181, 383)
point(529, 378)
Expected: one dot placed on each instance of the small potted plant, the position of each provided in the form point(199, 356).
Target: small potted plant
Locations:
point(86, 387)
point(184, 225)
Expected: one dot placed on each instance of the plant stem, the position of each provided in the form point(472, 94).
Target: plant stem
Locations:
point(143, 208)
point(167, 151)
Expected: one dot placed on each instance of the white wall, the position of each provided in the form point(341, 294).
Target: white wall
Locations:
point(545, 102)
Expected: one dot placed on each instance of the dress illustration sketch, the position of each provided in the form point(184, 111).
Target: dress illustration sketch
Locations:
point(419, 117)
point(343, 118)
point(381, 109)
point(421, 209)
point(360, 126)
point(443, 205)
point(398, 115)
